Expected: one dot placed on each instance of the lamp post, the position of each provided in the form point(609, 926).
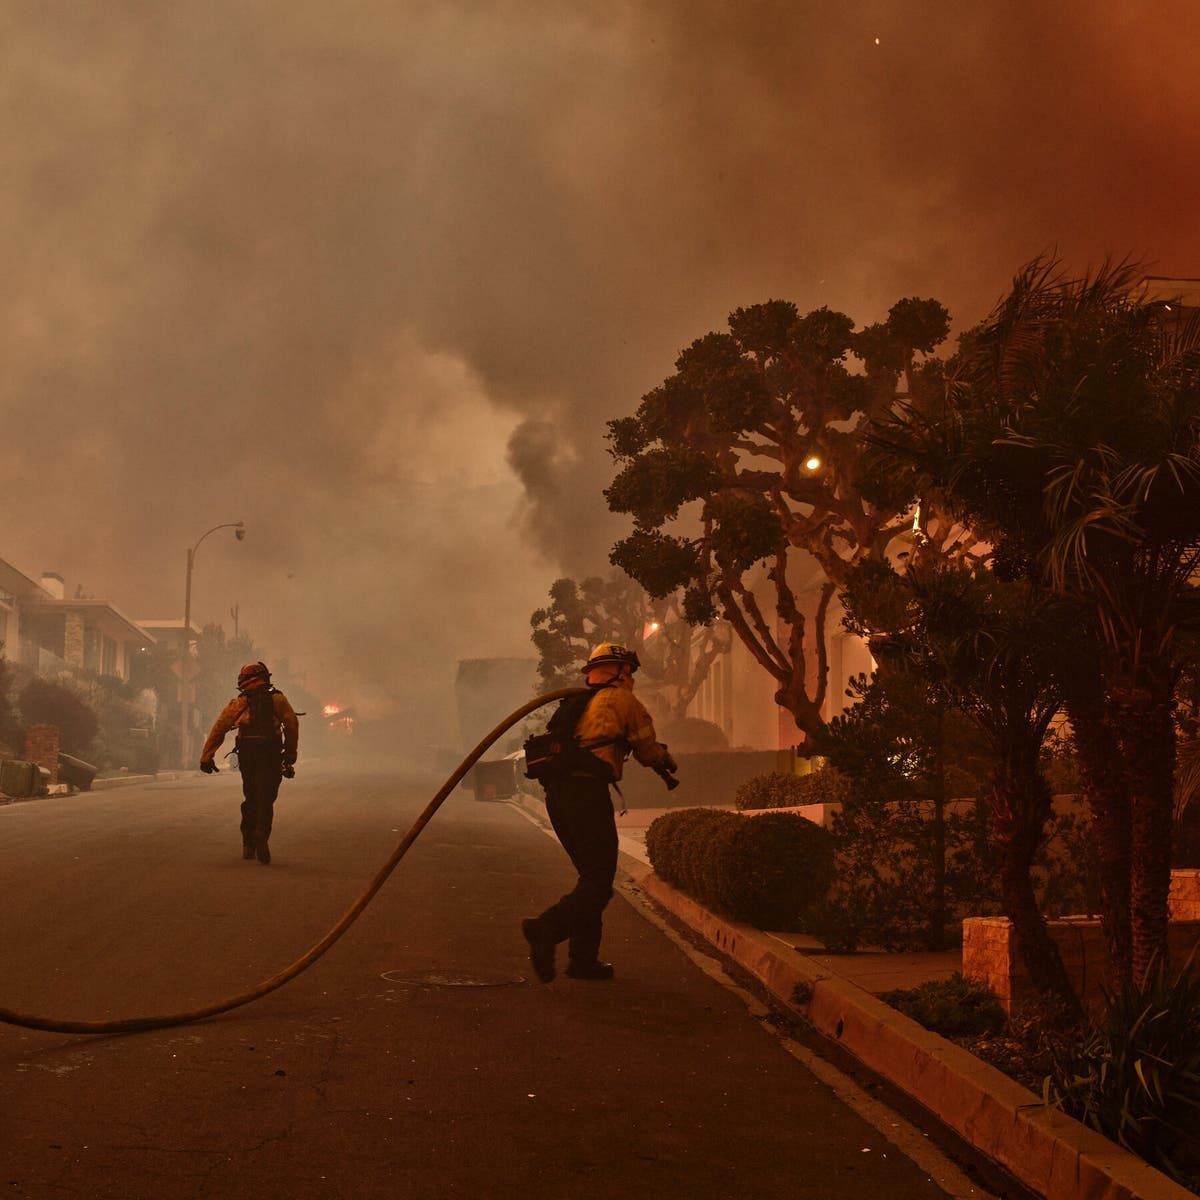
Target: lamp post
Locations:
point(239, 532)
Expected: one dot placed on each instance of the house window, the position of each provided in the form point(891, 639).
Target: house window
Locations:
point(108, 656)
point(91, 649)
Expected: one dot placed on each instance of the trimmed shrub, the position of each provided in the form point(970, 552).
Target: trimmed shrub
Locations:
point(777, 866)
point(764, 870)
point(776, 790)
point(954, 1007)
point(677, 846)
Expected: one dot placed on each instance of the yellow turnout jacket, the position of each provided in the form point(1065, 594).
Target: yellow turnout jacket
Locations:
point(615, 712)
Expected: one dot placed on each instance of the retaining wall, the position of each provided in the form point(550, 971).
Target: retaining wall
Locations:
point(990, 947)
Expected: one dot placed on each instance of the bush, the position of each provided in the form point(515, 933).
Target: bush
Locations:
point(790, 791)
point(1066, 872)
point(911, 836)
point(952, 1007)
point(885, 889)
point(678, 846)
point(1137, 1078)
point(46, 703)
point(764, 870)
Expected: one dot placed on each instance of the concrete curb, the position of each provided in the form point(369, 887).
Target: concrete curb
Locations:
point(117, 781)
point(1046, 1150)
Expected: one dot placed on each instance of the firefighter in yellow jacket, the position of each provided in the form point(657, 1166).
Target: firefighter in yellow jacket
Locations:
point(267, 735)
point(607, 725)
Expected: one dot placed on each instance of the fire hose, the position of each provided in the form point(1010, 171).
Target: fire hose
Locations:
point(165, 1020)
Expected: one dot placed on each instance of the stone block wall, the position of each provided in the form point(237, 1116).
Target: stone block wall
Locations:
point(41, 747)
point(1185, 895)
point(987, 955)
point(73, 649)
point(990, 951)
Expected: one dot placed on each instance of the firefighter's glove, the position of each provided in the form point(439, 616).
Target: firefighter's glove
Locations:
point(668, 761)
point(208, 767)
point(289, 770)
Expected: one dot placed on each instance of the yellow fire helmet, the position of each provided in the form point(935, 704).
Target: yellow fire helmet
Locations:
point(612, 652)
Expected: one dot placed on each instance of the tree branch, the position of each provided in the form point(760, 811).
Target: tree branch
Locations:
point(827, 590)
point(760, 623)
point(737, 619)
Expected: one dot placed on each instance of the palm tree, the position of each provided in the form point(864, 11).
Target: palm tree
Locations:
point(1070, 436)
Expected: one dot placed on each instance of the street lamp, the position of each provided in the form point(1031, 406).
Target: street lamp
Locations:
point(239, 532)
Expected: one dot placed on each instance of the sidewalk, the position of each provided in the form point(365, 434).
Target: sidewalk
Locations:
point(1046, 1150)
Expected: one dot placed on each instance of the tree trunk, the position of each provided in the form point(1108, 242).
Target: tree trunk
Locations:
point(1148, 739)
point(1102, 767)
point(794, 698)
point(938, 916)
point(1020, 807)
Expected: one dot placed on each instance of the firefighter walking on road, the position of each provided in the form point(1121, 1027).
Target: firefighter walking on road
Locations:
point(588, 740)
point(267, 736)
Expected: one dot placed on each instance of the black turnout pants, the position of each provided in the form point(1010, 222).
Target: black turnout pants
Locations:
point(582, 815)
point(262, 771)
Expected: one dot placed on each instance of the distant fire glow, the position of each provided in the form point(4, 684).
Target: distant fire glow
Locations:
point(339, 719)
point(812, 464)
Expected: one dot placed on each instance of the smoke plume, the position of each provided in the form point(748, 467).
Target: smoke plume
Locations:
point(372, 276)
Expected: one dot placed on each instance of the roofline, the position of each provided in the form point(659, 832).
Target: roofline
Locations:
point(34, 586)
point(66, 605)
point(166, 623)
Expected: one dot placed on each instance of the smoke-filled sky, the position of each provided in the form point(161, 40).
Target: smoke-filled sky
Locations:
point(372, 275)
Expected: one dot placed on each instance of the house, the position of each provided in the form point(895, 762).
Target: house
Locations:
point(738, 694)
point(42, 629)
point(1171, 292)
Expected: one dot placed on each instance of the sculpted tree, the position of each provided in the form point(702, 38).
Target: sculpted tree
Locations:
point(753, 450)
point(617, 609)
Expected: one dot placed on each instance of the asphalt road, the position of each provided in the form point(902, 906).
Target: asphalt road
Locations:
point(385, 1070)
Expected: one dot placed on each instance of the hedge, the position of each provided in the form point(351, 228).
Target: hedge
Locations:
point(767, 870)
point(776, 790)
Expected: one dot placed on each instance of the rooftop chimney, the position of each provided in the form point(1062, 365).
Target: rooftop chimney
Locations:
point(53, 583)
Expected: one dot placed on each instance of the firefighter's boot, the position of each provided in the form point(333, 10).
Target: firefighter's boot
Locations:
point(595, 969)
point(541, 948)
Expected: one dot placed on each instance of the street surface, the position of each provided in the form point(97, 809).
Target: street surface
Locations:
point(383, 1071)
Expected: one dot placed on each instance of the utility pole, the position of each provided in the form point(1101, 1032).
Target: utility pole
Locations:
point(185, 681)
point(233, 612)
